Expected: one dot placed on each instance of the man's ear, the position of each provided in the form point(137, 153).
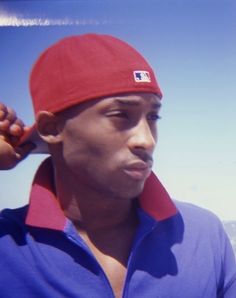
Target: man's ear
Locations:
point(48, 127)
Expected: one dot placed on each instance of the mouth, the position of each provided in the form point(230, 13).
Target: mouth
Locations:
point(139, 170)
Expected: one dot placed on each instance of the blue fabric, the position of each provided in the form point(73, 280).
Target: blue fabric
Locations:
point(185, 256)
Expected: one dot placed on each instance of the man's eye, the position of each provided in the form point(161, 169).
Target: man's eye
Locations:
point(153, 117)
point(118, 114)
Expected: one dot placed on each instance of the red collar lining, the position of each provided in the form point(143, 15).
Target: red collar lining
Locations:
point(45, 212)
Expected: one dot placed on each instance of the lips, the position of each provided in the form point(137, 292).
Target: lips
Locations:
point(139, 170)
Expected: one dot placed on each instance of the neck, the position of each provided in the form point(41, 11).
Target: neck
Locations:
point(106, 223)
point(90, 210)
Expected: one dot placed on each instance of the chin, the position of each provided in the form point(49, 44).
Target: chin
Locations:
point(133, 191)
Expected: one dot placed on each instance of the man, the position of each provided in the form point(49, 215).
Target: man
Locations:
point(99, 222)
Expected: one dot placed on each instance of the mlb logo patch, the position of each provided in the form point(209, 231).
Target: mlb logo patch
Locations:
point(142, 76)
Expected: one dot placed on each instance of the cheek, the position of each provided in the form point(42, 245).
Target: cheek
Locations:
point(89, 149)
point(154, 130)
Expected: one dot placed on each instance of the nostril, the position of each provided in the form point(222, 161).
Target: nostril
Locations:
point(144, 155)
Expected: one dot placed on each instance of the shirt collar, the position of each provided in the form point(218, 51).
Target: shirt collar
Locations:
point(45, 212)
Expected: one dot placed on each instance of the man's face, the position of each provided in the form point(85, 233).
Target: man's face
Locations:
point(108, 143)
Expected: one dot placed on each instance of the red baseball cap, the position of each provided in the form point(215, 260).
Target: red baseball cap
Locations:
point(85, 67)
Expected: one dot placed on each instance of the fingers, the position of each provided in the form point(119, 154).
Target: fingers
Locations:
point(17, 128)
point(3, 111)
point(10, 156)
point(11, 127)
point(24, 150)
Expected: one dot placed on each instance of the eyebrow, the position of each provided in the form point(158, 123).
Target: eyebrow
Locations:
point(135, 102)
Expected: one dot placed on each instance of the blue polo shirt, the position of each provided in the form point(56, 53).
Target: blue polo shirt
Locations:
point(179, 251)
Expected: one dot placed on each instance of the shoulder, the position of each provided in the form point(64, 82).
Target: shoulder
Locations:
point(205, 229)
point(197, 216)
point(204, 235)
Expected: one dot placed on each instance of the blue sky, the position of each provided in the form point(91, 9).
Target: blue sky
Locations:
point(192, 48)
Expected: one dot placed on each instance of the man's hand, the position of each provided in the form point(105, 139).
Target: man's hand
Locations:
point(11, 130)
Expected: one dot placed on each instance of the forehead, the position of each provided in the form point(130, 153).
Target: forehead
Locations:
point(147, 100)
point(135, 99)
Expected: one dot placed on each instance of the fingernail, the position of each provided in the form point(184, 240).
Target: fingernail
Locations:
point(15, 130)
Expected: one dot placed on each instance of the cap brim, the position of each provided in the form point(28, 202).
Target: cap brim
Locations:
point(32, 136)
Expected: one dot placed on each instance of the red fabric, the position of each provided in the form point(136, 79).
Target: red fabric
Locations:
point(44, 210)
point(80, 68)
point(155, 200)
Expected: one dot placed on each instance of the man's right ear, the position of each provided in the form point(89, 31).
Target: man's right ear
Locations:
point(48, 127)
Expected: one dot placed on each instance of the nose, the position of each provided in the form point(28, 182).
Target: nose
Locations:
point(143, 137)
